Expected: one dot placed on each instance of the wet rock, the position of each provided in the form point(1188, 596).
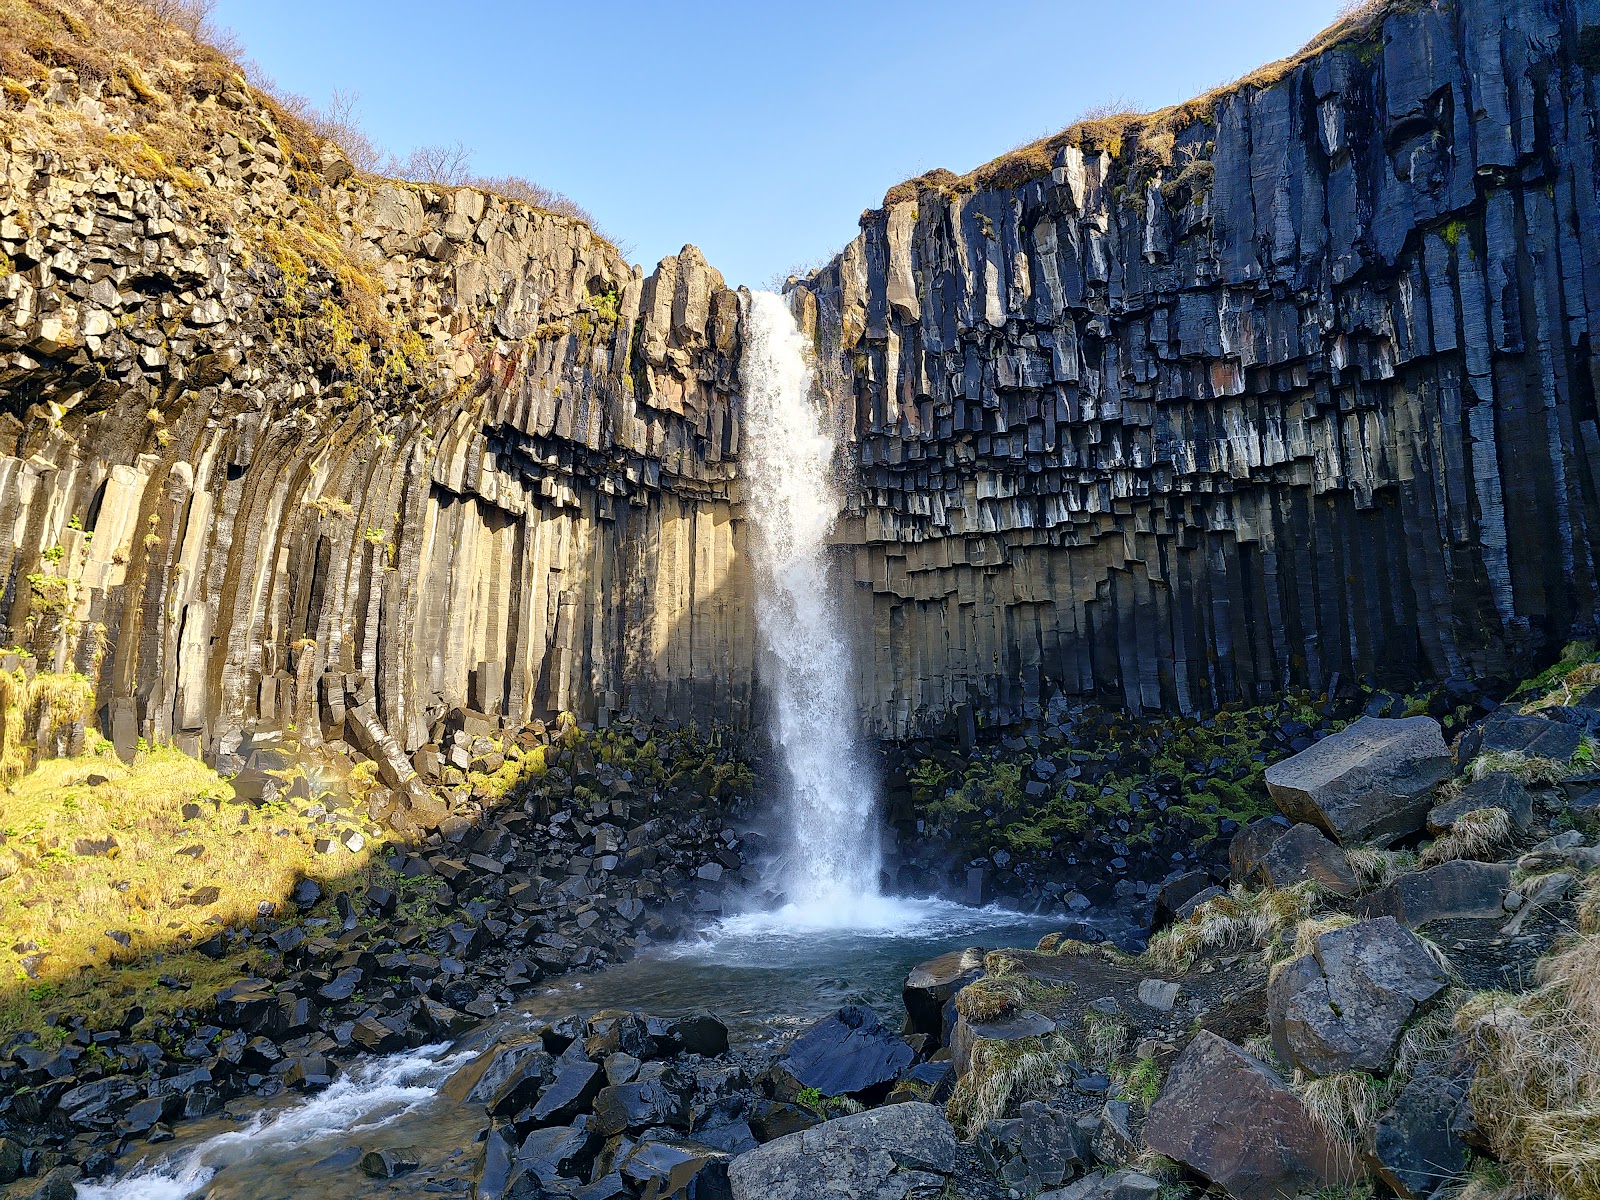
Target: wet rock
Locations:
point(388, 1163)
point(1344, 1006)
point(677, 1168)
point(1231, 1119)
point(967, 1034)
point(1370, 782)
point(1454, 890)
point(1415, 1145)
point(771, 1119)
point(559, 1152)
point(10, 1160)
point(59, 1184)
point(893, 1153)
point(851, 1053)
point(662, 1100)
point(933, 984)
point(569, 1093)
point(700, 1033)
point(1303, 854)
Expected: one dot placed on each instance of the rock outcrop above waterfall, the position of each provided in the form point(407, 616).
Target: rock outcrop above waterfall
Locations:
point(283, 445)
point(1293, 381)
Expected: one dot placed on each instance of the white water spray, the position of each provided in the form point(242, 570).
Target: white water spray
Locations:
point(786, 458)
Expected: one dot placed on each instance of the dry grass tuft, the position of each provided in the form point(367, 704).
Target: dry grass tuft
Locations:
point(1004, 1074)
point(1525, 768)
point(1240, 920)
point(1483, 834)
point(985, 1001)
point(1345, 1105)
point(1376, 868)
point(1537, 1091)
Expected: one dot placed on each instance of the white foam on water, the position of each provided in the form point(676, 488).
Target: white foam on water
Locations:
point(369, 1097)
point(786, 459)
point(801, 930)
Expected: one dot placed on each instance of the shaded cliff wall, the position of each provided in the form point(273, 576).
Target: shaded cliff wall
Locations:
point(1295, 381)
point(286, 447)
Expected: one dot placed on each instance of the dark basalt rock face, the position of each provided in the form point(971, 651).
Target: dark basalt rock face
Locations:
point(1302, 388)
point(1306, 391)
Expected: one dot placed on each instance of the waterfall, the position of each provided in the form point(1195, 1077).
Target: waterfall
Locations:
point(786, 459)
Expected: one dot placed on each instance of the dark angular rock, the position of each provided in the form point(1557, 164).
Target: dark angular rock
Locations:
point(1229, 1118)
point(700, 1033)
point(388, 1163)
point(677, 1168)
point(559, 1152)
point(900, 1150)
point(1250, 845)
point(851, 1053)
point(1510, 732)
point(1344, 1006)
point(1302, 854)
point(1455, 890)
point(1496, 790)
point(1370, 782)
point(636, 1106)
point(1415, 1146)
point(569, 1094)
point(306, 894)
point(933, 984)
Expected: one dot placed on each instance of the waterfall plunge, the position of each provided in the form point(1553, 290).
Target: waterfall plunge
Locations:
point(786, 457)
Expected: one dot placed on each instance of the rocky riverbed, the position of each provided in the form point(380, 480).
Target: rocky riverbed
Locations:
point(1332, 978)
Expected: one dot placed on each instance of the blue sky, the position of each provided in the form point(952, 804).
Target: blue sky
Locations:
point(757, 131)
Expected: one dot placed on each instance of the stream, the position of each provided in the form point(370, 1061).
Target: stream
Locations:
point(765, 975)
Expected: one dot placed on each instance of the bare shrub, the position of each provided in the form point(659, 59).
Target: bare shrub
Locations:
point(450, 165)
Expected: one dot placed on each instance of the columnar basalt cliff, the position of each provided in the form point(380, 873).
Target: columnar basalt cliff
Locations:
point(284, 446)
point(1293, 381)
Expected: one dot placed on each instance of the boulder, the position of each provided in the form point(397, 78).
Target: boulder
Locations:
point(892, 1153)
point(1508, 732)
point(1415, 1147)
point(1230, 1118)
point(1451, 891)
point(1496, 790)
point(968, 1034)
point(700, 1033)
point(1370, 782)
point(1250, 845)
point(570, 1093)
point(677, 1168)
point(1344, 1006)
point(388, 1163)
point(558, 1152)
point(851, 1053)
point(1303, 853)
point(639, 1105)
point(931, 985)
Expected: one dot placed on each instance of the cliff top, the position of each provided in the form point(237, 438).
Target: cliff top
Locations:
point(1154, 133)
point(135, 84)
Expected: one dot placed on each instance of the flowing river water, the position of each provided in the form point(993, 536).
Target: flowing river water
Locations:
point(766, 982)
point(765, 974)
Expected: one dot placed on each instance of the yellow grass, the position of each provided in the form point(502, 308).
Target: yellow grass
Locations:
point(57, 906)
point(1536, 1094)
